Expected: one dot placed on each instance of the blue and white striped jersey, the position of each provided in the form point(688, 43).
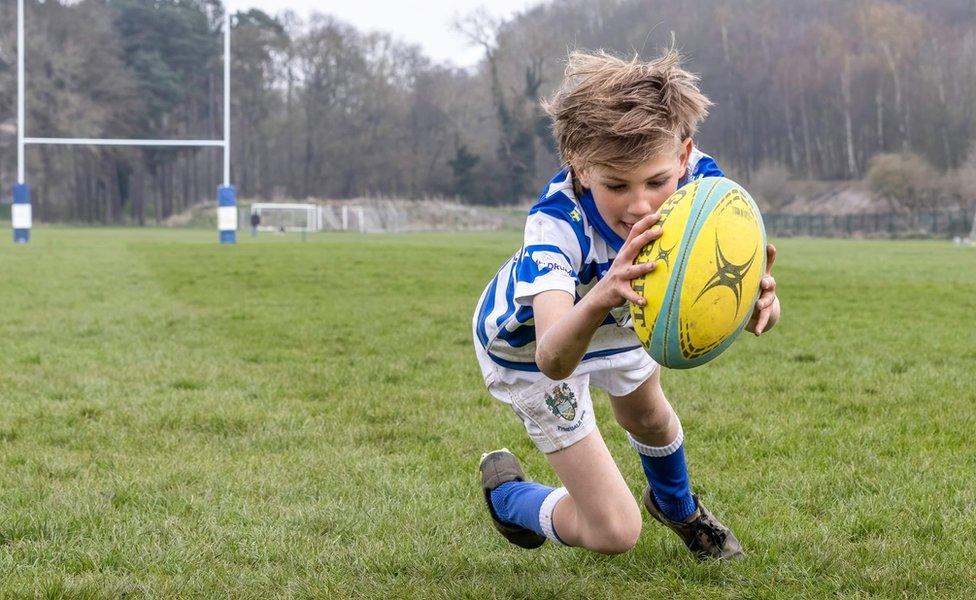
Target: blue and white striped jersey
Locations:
point(567, 246)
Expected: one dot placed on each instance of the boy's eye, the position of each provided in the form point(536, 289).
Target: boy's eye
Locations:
point(657, 184)
point(616, 187)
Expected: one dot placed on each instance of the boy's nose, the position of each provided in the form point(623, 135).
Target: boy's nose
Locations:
point(642, 206)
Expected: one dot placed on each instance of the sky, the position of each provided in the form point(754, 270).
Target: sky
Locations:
point(426, 23)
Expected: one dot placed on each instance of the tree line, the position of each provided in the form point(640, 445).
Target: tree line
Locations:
point(322, 110)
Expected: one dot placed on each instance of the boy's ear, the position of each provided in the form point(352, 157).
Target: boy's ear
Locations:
point(583, 177)
point(685, 153)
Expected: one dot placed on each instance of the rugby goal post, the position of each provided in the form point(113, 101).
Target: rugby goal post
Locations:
point(20, 214)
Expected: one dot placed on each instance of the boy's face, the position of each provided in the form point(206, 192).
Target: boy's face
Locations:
point(625, 197)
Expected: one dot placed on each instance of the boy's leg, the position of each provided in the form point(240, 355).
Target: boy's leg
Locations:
point(595, 509)
point(655, 432)
point(600, 512)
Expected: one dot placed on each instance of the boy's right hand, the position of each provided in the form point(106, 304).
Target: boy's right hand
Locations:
point(614, 288)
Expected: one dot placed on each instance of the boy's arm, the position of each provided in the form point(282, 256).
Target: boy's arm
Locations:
point(564, 330)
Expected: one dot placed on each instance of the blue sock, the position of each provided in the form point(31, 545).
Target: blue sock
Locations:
point(520, 503)
point(667, 474)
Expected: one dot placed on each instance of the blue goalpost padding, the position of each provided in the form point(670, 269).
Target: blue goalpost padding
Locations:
point(20, 213)
point(227, 213)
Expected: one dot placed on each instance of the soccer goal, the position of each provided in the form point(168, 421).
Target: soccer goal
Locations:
point(285, 216)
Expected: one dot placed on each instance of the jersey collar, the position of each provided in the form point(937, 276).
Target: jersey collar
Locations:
point(593, 216)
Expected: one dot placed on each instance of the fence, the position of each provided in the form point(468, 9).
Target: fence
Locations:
point(926, 224)
point(364, 219)
point(371, 215)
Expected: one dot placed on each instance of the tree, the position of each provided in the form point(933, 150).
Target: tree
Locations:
point(321, 109)
point(905, 180)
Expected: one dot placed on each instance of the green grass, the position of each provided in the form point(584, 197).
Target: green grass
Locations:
point(278, 419)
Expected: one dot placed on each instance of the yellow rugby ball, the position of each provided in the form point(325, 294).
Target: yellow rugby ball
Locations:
point(710, 259)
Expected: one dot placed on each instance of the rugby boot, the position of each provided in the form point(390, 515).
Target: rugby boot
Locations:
point(704, 535)
point(500, 467)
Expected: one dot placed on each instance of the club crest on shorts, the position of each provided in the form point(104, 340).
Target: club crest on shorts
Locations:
point(562, 402)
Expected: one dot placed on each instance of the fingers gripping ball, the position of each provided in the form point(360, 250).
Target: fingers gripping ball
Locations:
point(710, 261)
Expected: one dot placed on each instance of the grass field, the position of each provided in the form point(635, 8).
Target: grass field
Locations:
point(279, 419)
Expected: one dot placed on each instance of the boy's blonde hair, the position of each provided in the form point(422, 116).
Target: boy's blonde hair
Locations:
point(620, 113)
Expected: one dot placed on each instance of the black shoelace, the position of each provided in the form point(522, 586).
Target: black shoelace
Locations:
point(706, 527)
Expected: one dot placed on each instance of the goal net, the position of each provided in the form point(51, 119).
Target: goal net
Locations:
point(278, 216)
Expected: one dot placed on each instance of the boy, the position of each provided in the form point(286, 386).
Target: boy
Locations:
point(555, 318)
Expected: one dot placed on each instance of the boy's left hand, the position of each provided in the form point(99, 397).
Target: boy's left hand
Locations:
point(766, 312)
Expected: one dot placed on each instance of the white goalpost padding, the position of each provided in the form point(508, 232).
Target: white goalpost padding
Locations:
point(21, 217)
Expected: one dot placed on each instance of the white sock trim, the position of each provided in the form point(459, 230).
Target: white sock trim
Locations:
point(658, 451)
point(545, 514)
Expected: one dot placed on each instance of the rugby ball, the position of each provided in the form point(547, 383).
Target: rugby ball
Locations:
point(710, 259)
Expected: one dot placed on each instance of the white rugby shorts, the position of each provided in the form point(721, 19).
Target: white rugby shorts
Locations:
point(557, 414)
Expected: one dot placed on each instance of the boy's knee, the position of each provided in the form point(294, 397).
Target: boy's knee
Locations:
point(654, 423)
point(616, 533)
point(617, 537)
